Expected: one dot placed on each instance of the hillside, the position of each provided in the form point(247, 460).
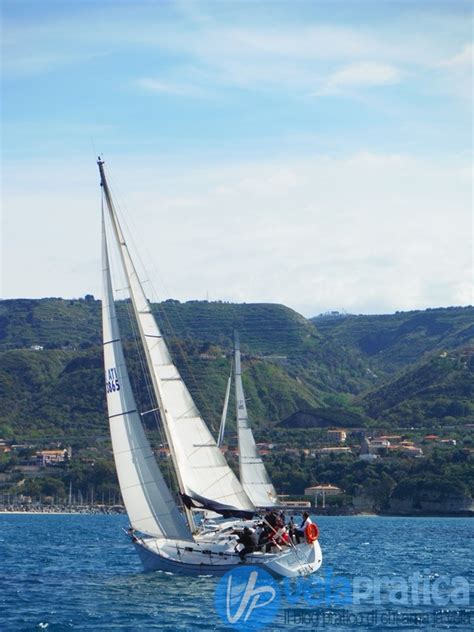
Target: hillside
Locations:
point(51, 362)
point(273, 332)
point(391, 342)
point(356, 370)
point(440, 390)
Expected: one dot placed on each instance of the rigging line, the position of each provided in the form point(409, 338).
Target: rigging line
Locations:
point(216, 481)
point(183, 354)
point(176, 339)
point(132, 376)
point(130, 273)
point(131, 241)
point(184, 357)
point(170, 479)
point(143, 366)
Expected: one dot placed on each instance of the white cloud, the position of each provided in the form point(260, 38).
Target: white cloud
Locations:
point(360, 75)
point(31, 62)
point(367, 232)
point(165, 87)
point(456, 74)
point(462, 59)
point(199, 53)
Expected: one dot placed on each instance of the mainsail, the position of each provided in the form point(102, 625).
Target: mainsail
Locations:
point(149, 503)
point(253, 475)
point(204, 476)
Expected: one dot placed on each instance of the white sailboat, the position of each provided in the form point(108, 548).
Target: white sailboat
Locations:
point(164, 537)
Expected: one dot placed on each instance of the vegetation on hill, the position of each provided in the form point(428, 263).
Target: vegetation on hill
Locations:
point(438, 391)
point(49, 322)
point(406, 369)
point(439, 477)
point(326, 417)
point(394, 341)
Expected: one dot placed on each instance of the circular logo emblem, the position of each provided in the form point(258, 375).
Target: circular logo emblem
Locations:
point(247, 597)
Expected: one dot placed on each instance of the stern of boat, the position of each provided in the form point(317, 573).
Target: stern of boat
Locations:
point(300, 560)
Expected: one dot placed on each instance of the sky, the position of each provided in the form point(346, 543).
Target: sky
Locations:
point(312, 153)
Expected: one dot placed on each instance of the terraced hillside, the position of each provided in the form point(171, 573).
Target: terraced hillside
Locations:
point(412, 367)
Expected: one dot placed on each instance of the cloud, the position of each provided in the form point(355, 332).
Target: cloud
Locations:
point(462, 59)
point(366, 232)
point(160, 86)
point(28, 62)
point(456, 74)
point(200, 53)
point(359, 75)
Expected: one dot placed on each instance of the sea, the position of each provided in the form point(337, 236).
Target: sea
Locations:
point(79, 572)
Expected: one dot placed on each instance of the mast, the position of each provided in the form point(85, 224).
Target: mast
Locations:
point(149, 503)
point(253, 474)
point(144, 309)
point(204, 477)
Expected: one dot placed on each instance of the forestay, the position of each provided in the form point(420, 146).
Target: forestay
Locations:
point(148, 501)
point(253, 474)
point(202, 470)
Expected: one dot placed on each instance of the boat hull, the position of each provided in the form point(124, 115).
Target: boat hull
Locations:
point(190, 558)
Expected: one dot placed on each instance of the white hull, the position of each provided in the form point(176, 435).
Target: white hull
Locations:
point(211, 558)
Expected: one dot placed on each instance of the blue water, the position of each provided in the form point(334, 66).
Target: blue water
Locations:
point(80, 572)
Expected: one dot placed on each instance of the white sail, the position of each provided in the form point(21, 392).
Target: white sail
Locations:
point(220, 438)
point(149, 503)
point(203, 473)
point(253, 474)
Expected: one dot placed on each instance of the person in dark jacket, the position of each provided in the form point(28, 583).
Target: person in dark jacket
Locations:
point(246, 538)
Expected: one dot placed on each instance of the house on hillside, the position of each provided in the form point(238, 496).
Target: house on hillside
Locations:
point(336, 435)
point(45, 458)
point(4, 448)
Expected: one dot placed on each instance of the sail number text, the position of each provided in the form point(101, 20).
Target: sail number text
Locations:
point(111, 381)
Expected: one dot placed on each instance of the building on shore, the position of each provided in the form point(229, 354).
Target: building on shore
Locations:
point(322, 490)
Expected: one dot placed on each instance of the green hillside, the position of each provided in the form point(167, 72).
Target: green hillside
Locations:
point(391, 342)
point(437, 391)
point(50, 322)
point(51, 376)
point(51, 393)
point(411, 368)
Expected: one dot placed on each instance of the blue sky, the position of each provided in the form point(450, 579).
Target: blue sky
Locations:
point(316, 154)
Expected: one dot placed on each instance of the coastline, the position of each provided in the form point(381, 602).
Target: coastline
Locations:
point(108, 511)
point(65, 511)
